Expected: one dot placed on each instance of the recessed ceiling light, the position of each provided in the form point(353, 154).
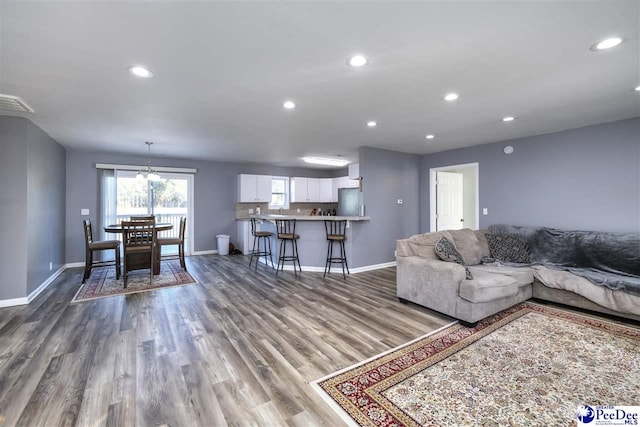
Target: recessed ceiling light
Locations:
point(140, 71)
point(289, 105)
point(606, 44)
point(430, 136)
point(357, 61)
point(637, 88)
point(325, 161)
point(508, 119)
point(451, 96)
point(372, 124)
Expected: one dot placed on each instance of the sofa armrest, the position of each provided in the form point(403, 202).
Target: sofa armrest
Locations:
point(431, 283)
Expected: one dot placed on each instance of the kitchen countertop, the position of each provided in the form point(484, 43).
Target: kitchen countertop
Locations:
point(310, 217)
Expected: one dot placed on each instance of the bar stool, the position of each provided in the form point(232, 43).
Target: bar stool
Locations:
point(287, 233)
point(265, 236)
point(336, 233)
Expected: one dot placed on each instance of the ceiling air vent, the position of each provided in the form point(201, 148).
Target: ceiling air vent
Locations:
point(13, 103)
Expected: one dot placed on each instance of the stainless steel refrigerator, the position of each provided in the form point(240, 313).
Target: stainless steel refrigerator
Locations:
point(349, 201)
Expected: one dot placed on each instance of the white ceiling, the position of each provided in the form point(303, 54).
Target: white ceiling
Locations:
point(223, 69)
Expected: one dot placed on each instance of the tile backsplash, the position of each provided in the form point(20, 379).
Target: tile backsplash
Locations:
point(243, 209)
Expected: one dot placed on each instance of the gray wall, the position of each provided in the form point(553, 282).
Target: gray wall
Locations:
point(32, 196)
point(46, 186)
point(586, 178)
point(13, 208)
point(387, 177)
point(215, 193)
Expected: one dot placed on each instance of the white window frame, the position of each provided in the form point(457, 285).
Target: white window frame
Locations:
point(287, 193)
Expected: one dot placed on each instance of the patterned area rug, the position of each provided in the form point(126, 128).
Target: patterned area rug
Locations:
point(529, 365)
point(102, 282)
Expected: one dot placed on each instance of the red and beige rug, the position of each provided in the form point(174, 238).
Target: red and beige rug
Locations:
point(102, 282)
point(529, 365)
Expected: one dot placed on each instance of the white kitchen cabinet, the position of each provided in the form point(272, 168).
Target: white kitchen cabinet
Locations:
point(254, 188)
point(326, 190)
point(245, 240)
point(313, 189)
point(305, 189)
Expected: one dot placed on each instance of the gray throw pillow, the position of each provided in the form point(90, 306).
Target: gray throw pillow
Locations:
point(447, 251)
point(508, 248)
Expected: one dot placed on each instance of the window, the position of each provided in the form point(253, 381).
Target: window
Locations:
point(169, 199)
point(279, 193)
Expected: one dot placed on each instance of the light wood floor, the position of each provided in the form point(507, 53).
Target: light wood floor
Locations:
point(239, 348)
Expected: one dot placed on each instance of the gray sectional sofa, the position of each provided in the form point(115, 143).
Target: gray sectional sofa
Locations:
point(423, 278)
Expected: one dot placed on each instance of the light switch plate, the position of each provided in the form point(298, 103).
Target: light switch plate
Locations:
point(399, 201)
point(485, 211)
point(250, 210)
point(84, 211)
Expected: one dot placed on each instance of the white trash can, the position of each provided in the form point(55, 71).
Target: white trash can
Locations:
point(223, 244)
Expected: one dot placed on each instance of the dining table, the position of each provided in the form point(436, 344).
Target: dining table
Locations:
point(139, 260)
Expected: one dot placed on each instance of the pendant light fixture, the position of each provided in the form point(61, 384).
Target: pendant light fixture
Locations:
point(151, 175)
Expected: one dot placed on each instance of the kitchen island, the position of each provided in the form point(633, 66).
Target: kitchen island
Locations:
point(312, 244)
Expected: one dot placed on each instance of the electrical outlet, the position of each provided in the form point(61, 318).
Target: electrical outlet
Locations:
point(399, 201)
point(298, 210)
point(250, 210)
point(84, 211)
point(485, 211)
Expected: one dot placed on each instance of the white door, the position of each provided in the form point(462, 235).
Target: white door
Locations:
point(449, 201)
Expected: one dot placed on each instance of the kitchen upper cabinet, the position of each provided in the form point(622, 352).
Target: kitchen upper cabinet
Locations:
point(326, 190)
point(254, 188)
point(305, 190)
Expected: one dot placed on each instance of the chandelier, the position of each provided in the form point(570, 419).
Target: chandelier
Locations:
point(149, 174)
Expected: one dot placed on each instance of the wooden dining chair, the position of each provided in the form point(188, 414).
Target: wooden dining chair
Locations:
point(138, 240)
point(142, 218)
point(179, 241)
point(92, 246)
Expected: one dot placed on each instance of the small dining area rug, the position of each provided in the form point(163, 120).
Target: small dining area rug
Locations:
point(102, 281)
point(529, 365)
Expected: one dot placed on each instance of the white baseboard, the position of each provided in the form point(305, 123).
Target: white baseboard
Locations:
point(211, 252)
point(26, 300)
point(74, 265)
point(373, 267)
point(13, 301)
point(46, 283)
point(333, 268)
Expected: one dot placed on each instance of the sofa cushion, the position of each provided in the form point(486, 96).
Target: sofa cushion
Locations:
point(522, 275)
point(468, 245)
point(487, 287)
point(484, 245)
point(423, 245)
point(508, 247)
point(446, 251)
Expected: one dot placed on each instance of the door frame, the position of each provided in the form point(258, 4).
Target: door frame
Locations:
point(190, 177)
point(433, 189)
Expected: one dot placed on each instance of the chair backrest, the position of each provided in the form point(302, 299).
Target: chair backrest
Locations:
point(143, 218)
point(183, 227)
point(335, 227)
point(286, 226)
point(138, 233)
point(88, 232)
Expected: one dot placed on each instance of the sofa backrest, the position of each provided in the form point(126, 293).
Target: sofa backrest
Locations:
point(472, 244)
point(421, 244)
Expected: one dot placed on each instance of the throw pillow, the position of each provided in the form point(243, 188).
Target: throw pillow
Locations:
point(446, 251)
point(509, 248)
